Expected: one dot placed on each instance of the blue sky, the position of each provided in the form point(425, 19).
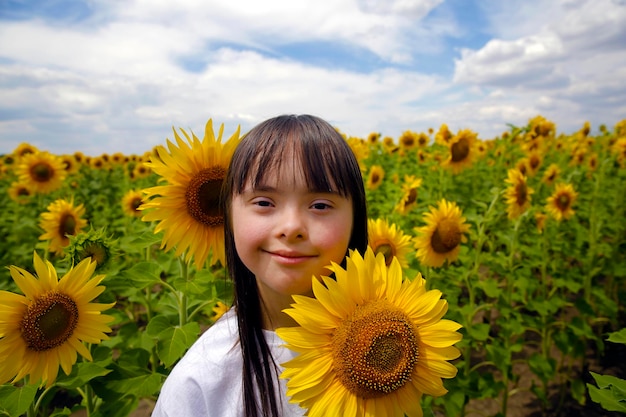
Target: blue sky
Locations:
point(105, 76)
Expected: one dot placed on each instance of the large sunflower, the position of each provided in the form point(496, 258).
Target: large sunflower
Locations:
point(461, 150)
point(42, 172)
point(45, 328)
point(369, 343)
point(440, 239)
point(60, 221)
point(187, 208)
point(559, 204)
point(389, 240)
point(518, 194)
point(409, 194)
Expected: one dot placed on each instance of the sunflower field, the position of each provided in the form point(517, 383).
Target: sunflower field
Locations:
point(113, 265)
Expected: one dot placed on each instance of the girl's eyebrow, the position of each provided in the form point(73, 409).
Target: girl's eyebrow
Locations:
point(272, 189)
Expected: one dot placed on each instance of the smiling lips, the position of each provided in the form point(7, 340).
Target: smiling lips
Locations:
point(290, 258)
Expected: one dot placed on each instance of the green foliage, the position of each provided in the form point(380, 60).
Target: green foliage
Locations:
point(610, 391)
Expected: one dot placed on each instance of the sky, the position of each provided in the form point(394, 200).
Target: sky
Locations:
point(106, 76)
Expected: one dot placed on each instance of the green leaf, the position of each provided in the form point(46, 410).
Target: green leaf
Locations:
point(544, 368)
point(81, 374)
point(618, 337)
point(139, 386)
point(578, 391)
point(479, 331)
point(173, 343)
point(14, 401)
point(606, 399)
point(490, 287)
point(610, 381)
point(143, 274)
point(157, 325)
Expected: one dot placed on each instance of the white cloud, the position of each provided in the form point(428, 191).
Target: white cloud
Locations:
point(118, 81)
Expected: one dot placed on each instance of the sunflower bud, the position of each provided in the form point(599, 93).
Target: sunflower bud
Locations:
point(93, 244)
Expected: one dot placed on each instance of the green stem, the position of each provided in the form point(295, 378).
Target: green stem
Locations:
point(182, 297)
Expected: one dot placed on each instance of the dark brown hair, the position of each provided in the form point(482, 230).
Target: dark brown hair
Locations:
point(328, 164)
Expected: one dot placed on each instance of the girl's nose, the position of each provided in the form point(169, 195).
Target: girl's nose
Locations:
point(291, 224)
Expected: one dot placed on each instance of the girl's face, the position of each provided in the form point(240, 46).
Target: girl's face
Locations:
point(285, 233)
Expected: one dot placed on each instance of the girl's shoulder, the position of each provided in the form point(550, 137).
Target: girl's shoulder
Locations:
point(219, 341)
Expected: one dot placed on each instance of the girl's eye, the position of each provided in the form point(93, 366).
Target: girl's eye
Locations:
point(321, 206)
point(262, 203)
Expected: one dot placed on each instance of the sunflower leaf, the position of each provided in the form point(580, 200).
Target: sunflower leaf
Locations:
point(174, 342)
point(143, 274)
point(82, 374)
point(618, 337)
point(16, 400)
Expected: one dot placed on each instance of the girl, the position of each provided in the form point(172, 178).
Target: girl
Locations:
point(294, 202)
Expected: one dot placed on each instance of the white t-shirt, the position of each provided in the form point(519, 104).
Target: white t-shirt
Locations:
point(207, 381)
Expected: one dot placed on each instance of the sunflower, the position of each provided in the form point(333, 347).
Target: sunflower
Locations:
point(373, 138)
point(219, 310)
point(439, 240)
point(140, 171)
point(19, 193)
point(423, 140)
point(187, 208)
point(375, 177)
point(60, 221)
point(517, 194)
point(131, 202)
point(409, 194)
point(97, 162)
point(408, 140)
point(551, 174)
point(461, 150)
point(93, 244)
point(42, 172)
point(24, 149)
point(389, 240)
point(70, 164)
point(560, 203)
point(45, 328)
point(361, 150)
point(369, 343)
point(443, 136)
point(534, 162)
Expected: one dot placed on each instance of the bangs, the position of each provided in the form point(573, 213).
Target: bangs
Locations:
point(326, 160)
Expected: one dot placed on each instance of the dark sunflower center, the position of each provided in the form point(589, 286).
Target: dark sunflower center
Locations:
point(67, 225)
point(408, 141)
point(203, 196)
point(41, 172)
point(563, 202)
point(446, 237)
point(460, 150)
point(23, 191)
point(521, 193)
point(135, 203)
point(375, 178)
point(411, 197)
point(534, 162)
point(387, 249)
point(49, 321)
point(375, 349)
